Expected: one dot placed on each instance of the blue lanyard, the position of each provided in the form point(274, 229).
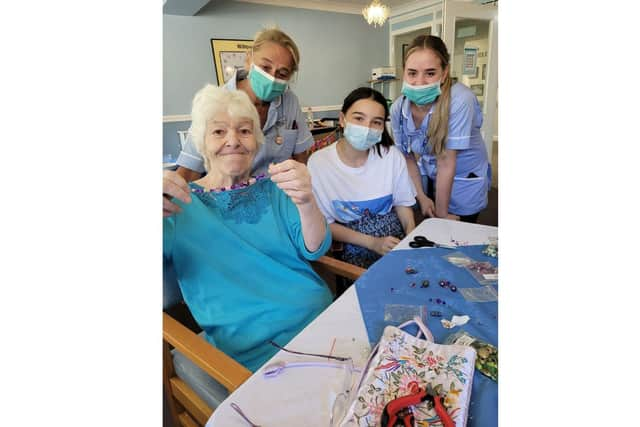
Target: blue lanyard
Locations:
point(405, 131)
point(280, 122)
point(401, 113)
point(280, 119)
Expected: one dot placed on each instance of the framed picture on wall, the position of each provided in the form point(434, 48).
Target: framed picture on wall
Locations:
point(469, 61)
point(478, 90)
point(228, 56)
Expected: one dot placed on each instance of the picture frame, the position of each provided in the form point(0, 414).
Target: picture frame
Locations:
point(478, 90)
point(228, 56)
point(469, 64)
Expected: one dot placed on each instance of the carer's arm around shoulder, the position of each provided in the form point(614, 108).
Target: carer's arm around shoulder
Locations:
point(173, 186)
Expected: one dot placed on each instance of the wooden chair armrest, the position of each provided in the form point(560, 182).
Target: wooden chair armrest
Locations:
point(341, 268)
point(214, 362)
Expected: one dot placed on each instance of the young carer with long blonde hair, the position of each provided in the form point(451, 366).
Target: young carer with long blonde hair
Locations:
point(436, 124)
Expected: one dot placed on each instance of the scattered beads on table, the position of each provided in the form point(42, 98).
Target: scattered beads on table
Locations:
point(410, 270)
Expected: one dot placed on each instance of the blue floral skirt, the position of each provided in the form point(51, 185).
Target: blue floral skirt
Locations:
point(372, 225)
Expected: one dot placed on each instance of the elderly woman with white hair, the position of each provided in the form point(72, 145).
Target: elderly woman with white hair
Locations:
point(241, 246)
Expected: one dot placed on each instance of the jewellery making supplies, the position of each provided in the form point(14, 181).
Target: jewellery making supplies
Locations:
point(233, 187)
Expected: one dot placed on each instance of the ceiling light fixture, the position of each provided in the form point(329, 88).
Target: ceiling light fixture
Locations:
point(376, 13)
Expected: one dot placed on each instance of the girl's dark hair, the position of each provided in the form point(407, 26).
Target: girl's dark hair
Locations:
point(368, 93)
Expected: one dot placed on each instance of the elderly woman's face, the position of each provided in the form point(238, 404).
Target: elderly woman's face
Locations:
point(230, 144)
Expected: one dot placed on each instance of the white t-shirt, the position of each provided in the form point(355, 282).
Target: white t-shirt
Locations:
point(344, 193)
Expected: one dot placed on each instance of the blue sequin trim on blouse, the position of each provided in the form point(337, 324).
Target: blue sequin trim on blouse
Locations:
point(243, 205)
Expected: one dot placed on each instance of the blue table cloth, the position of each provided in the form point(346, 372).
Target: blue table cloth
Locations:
point(386, 285)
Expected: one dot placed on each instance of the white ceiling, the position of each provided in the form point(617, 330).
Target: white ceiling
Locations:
point(344, 6)
point(192, 7)
point(183, 7)
point(354, 3)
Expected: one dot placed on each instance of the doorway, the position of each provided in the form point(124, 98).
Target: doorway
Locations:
point(400, 43)
point(470, 32)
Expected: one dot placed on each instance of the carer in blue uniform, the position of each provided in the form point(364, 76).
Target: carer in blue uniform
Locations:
point(271, 63)
point(445, 152)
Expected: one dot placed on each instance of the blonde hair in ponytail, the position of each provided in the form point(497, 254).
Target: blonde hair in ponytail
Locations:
point(439, 123)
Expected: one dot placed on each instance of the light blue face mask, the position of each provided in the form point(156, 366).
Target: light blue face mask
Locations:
point(421, 95)
point(361, 137)
point(265, 86)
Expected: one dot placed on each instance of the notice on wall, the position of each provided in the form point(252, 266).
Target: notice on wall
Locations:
point(470, 59)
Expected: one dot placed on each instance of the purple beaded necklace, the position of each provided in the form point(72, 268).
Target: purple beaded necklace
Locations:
point(247, 183)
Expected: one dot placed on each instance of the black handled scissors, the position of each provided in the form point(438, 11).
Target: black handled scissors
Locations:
point(421, 242)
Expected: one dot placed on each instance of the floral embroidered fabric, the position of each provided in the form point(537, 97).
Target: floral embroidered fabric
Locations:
point(243, 205)
point(372, 225)
point(401, 359)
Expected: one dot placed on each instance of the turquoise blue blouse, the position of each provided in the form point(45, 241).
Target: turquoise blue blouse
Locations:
point(243, 269)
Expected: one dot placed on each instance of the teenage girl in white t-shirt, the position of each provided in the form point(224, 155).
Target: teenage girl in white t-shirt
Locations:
point(361, 182)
